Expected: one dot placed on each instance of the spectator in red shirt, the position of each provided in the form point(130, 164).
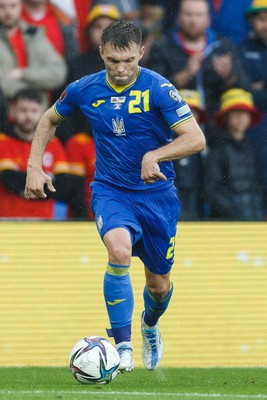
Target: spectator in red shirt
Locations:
point(26, 111)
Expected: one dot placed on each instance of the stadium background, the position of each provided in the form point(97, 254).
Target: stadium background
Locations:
point(51, 294)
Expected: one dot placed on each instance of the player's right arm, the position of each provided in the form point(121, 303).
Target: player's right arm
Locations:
point(36, 177)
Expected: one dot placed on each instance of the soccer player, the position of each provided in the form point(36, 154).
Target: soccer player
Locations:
point(140, 123)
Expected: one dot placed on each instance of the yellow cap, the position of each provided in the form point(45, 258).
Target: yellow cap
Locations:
point(237, 99)
point(103, 10)
point(257, 6)
point(192, 98)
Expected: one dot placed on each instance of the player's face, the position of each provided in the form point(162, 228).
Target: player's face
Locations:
point(193, 18)
point(121, 64)
point(259, 23)
point(10, 12)
point(26, 114)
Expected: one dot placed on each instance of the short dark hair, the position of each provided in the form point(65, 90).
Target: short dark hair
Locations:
point(121, 34)
point(28, 94)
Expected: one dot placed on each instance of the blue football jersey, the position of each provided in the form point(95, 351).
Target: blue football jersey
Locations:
point(127, 122)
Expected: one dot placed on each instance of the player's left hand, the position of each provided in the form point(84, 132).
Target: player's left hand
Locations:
point(36, 181)
point(150, 172)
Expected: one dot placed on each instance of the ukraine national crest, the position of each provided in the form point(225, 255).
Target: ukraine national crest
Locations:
point(118, 126)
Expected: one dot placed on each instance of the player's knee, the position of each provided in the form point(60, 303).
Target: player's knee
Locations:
point(159, 290)
point(120, 254)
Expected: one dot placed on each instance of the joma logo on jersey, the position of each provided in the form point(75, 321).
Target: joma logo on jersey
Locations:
point(118, 126)
point(98, 102)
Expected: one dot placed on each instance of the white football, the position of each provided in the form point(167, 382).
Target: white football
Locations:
point(94, 360)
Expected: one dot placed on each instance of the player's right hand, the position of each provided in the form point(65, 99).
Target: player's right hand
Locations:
point(150, 172)
point(35, 184)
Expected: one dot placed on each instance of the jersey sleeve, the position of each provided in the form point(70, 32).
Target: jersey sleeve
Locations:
point(171, 104)
point(68, 100)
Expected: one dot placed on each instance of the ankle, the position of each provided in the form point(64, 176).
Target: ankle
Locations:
point(144, 325)
point(128, 345)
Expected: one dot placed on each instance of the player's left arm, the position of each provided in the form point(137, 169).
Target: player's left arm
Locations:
point(36, 177)
point(189, 140)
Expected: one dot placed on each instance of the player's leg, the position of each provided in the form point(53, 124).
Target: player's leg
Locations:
point(157, 294)
point(118, 293)
point(118, 228)
point(156, 250)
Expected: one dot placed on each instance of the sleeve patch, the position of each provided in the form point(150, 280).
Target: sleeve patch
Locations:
point(175, 95)
point(62, 96)
point(183, 110)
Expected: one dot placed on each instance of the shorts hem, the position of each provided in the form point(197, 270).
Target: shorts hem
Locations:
point(114, 227)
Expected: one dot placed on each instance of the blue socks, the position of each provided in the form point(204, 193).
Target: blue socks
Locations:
point(154, 308)
point(119, 300)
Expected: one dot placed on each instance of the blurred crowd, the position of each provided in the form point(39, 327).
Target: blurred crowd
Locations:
point(213, 51)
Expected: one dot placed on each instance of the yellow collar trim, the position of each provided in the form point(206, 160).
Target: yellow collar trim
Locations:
point(120, 89)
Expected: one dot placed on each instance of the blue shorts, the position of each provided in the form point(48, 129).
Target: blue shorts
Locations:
point(150, 216)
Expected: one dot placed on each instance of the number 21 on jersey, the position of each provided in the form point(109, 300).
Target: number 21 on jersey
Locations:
point(140, 99)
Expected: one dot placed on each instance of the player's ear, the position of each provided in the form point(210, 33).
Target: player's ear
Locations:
point(141, 52)
point(100, 51)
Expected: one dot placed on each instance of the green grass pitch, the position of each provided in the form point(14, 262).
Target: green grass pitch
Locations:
point(38, 383)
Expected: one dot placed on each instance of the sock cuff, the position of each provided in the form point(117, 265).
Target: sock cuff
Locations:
point(121, 334)
point(116, 269)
